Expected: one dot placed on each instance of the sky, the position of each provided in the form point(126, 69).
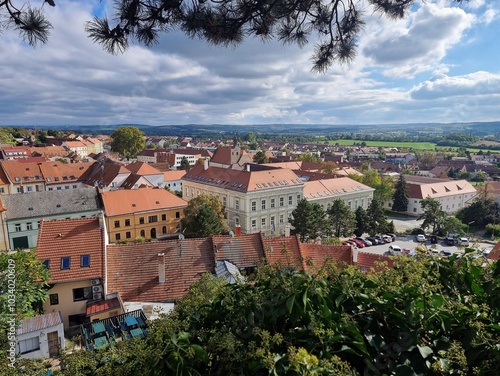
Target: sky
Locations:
point(439, 64)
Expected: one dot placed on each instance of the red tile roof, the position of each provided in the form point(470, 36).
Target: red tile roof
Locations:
point(283, 250)
point(142, 168)
point(133, 268)
point(243, 251)
point(127, 201)
point(495, 252)
point(372, 262)
point(102, 305)
point(71, 238)
point(316, 255)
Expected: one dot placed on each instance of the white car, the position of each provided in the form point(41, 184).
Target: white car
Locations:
point(421, 238)
point(395, 250)
point(463, 242)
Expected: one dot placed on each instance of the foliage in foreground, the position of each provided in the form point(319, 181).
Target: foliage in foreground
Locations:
point(425, 316)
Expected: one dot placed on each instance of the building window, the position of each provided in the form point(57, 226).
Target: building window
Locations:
point(163, 217)
point(414, 210)
point(263, 222)
point(117, 236)
point(74, 186)
point(82, 293)
point(290, 200)
point(164, 230)
point(273, 203)
point(117, 224)
point(282, 219)
point(127, 222)
point(237, 204)
point(54, 299)
point(28, 345)
point(85, 261)
point(263, 204)
point(272, 221)
point(2, 190)
point(282, 202)
point(143, 234)
point(224, 200)
point(46, 263)
point(237, 221)
point(254, 224)
point(141, 220)
point(254, 206)
point(65, 262)
point(29, 226)
point(177, 215)
point(298, 199)
point(18, 226)
point(30, 189)
point(128, 235)
point(153, 218)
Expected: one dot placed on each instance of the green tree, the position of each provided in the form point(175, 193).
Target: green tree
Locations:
point(377, 220)
point(488, 208)
point(260, 157)
point(204, 216)
point(128, 141)
point(433, 216)
point(6, 137)
point(341, 218)
point(401, 197)
point(383, 185)
point(184, 164)
point(328, 167)
point(453, 225)
point(308, 220)
point(361, 221)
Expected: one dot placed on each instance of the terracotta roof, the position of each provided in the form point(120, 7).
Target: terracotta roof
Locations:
point(142, 168)
point(134, 180)
point(71, 238)
point(3, 178)
point(133, 269)
point(104, 173)
point(422, 187)
point(57, 172)
point(222, 155)
point(495, 252)
point(292, 165)
point(337, 187)
point(243, 251)
point(102, 305)
point(315, 255)
point(49, 151)
point(243, 181)
point(283, 250)
point(128, 201)
point(41, 322)
point(173, 175)
point(370, 262)
point(18, 173)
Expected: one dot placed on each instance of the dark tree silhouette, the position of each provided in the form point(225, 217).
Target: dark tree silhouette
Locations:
point(334, 25)
point(400, 197)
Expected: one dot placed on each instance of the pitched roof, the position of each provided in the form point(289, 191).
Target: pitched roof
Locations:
point(222, 155)
point(134, 180)
point(103, 173)
point(283, 250)
point(173, 175)
point(142, 168)
point(243, 181)
point(315, 255)
point(133, 269)
point(49, 151)
point(244, 250)
point(422, 187)
point(46, 203)
point(71, 238)
point(18, 173)
point(127, 201)
point(41, 322)
point(372, 262)
point(57, 172)
point(495, 252)
point(337, 187)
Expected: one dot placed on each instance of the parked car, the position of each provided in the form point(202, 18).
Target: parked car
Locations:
point(433, 239)
point(349, 242)
point(365, 240)
point(450, 240)
point(445, 253)
point(395, 250)
point(392, 236)
point(464, 242)
point(374, 240)
point(382, 239)
point(421, 238)
point(359, 243)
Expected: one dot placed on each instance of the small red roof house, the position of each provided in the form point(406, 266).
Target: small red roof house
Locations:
point(73, 251)
point(495, 252)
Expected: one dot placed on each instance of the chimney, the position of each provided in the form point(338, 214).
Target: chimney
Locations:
point(287, 229)
point(354, 252)
point(237, 230)
point(161, 267)
point(248, 167)
point(205, 164)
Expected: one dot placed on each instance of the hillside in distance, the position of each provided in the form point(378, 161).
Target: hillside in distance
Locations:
point(480, 129)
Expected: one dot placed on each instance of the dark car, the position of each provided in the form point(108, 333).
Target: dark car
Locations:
point(450, 240)
point(374, 240)
point(393, 236)
point(381, 239)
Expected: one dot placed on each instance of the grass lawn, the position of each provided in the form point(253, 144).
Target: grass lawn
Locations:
point(399, 145)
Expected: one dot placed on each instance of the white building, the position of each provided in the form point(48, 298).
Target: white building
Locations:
point(40, 336)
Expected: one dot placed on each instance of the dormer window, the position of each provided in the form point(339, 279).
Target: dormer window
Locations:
point(65, 263)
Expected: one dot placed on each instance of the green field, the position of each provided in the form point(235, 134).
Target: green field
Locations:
point(399, 145)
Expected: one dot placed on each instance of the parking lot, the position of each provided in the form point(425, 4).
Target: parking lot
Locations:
point(409, 242)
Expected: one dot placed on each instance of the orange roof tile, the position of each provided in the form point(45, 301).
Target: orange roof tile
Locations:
point(283, 250)
point(102, 305)
point(133, 268)
point(369, 261)
point(337, 187)
point(71, 238)
point(142, 168)
point(173, 175)
point(315, 255)
point(243, 251)
point(127, 201)
point(495, 252)
point(243, 181)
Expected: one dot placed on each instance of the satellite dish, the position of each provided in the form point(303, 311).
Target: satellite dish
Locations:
point(181, 237)
point(231, 233)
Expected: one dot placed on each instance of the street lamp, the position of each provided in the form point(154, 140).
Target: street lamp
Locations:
point(468, 227)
